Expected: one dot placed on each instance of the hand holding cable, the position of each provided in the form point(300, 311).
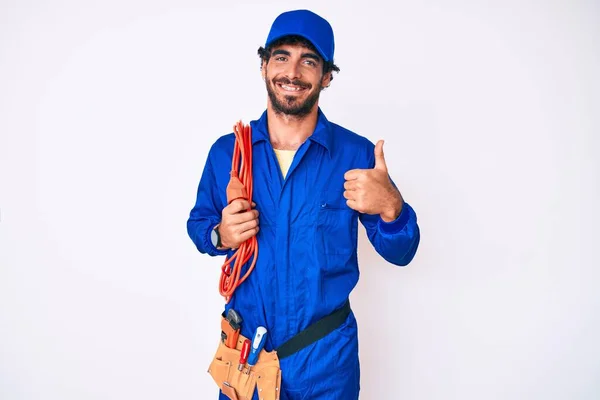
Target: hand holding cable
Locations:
point(241, 226)
point(238, 224)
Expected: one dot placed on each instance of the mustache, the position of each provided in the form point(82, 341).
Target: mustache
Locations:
point(296, 82)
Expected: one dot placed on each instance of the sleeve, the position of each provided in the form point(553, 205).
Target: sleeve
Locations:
point(396, 241)
point(206, 213)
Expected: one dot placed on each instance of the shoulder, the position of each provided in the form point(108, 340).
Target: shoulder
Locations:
point(222, 148)
point(350, 138)
point(224, 141)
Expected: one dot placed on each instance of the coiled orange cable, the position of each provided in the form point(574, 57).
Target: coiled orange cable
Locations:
point(240, 187)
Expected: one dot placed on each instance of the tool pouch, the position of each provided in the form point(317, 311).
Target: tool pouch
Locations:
point(240, 385)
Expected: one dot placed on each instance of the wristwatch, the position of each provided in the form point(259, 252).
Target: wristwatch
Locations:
point(215, 237)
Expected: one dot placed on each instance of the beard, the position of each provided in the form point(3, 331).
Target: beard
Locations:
point(291, 105)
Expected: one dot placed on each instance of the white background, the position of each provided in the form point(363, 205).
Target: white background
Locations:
point(491, 116)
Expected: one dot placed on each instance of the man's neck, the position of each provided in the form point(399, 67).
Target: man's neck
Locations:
point(289, 132)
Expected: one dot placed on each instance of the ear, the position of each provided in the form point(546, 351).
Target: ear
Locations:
point(263, 70)
point(326, 80)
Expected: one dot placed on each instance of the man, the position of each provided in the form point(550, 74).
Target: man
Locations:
point(313, 181)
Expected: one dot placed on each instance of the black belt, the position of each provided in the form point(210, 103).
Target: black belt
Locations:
point(314, 332)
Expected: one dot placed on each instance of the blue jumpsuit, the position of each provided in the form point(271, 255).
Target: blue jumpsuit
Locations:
point(307, 263)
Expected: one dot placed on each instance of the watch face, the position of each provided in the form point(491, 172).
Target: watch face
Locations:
point(214, 237)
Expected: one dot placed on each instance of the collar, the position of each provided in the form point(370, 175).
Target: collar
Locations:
point(323, 133)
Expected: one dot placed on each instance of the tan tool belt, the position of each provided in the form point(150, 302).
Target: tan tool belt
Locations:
point(240, 385)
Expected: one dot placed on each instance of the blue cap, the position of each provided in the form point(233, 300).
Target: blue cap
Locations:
point(307, 24)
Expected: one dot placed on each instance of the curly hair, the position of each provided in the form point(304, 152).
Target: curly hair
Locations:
point(265, 54)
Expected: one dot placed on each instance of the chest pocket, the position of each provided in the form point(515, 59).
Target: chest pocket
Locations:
point(336, 224)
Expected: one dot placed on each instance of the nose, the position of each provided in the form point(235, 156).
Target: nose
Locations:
point(293, 71)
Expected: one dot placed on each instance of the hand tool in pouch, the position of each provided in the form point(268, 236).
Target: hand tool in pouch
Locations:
point(244, 354)
point(258, 342)
point(230, 328)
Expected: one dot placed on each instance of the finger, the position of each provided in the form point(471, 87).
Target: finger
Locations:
point(248, 234)
point(351, 185)
point(246, 226)
point(352, 204)
point(350, 194)
point(243, 217)
point(353, 174)
point(237, 205)
point(379, 158)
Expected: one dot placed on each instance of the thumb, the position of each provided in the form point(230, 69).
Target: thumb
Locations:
point(379, 159)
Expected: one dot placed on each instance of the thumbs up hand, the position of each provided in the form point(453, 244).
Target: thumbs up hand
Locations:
point(370, 191)
point(379, 158)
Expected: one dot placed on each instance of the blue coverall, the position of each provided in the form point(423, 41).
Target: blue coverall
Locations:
point(307, 263)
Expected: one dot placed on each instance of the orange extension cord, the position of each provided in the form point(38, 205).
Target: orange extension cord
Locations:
point(239, 187)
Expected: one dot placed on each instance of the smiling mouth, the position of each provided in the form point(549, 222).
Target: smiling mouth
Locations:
point(291, 88)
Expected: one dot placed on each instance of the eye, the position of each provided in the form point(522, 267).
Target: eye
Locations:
point(311, 63)
point(280, 58)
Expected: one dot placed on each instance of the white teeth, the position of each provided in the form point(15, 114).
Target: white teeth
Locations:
point(291, 88)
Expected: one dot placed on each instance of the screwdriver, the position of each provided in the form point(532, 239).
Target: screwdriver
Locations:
point(258, 342)
point(244, 355)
